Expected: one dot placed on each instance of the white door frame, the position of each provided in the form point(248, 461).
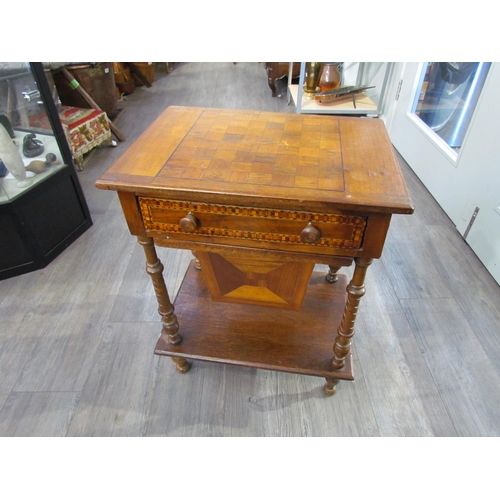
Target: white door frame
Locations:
point(458, 183)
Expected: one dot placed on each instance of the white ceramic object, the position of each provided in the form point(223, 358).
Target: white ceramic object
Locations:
point(12, 159)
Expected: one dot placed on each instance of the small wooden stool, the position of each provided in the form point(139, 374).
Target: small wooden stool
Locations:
point(85, 129)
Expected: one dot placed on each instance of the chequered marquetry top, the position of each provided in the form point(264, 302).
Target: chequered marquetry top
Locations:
point(264, 157)
point(264, 149)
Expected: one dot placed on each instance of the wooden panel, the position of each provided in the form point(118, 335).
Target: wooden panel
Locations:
point(132, 214)
point(337, 260)
point(245, 223)
point(375, 234)
point(161, 139)
point(266, 281)
point(263, 149)
point(372, 173)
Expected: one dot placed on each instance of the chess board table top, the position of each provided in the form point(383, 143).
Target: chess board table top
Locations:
point(264, 158)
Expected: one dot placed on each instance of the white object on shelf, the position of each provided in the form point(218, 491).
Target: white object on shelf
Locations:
point(12, 159)
point(11, 188)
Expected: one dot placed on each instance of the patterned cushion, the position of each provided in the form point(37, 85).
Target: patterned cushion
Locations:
point(85, 129)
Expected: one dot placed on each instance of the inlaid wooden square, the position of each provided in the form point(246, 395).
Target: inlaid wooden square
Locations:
point(273, 144)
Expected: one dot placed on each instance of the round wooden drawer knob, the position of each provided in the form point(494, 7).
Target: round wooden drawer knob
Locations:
point(310, 234)
point(189, 223)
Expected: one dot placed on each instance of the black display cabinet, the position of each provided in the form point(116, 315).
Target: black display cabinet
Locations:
point(45, 212)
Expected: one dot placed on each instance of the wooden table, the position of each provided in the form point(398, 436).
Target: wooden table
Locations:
point(260, 198)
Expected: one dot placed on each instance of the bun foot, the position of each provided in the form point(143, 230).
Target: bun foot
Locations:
point(181, 365)
point(332, 276)
point(329, 388)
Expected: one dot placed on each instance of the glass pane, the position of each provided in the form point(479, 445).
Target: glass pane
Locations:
point(29, 152)
point(447, 96)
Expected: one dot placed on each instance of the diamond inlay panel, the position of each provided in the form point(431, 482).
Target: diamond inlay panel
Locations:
point(267, 282)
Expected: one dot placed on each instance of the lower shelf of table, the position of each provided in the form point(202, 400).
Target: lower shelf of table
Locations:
point(258, 336)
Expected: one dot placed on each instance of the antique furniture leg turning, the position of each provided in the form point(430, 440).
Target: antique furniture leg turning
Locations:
point(170, 326)
point(345, 332)
point(330, 387)
point(333, 274)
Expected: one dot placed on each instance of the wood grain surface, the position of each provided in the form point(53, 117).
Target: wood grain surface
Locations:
point(321, 159)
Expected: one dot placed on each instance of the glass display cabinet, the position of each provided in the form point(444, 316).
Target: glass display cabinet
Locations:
point(363, 86)
point(42, 206)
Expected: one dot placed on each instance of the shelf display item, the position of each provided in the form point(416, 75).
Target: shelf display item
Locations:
point(12, 159)
point(39, 166)
point(311, 79)
point(341, 94)
point(331, 76)
point(32, 146)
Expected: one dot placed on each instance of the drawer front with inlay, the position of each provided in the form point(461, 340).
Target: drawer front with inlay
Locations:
point(248, 225)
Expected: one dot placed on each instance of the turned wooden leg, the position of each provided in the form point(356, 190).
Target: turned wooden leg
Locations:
point(333, 274)
point(197, 264)
point(329, 388)
point(154, 268)
point(181, 365)
point(355, 290)
point(272, 85)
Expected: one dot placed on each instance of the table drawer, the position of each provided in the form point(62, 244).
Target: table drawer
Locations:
point(179, 219)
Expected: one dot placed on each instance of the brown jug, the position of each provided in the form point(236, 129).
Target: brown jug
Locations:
point(331, 76)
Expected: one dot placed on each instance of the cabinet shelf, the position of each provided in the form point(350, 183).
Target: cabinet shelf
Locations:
point(363, 104)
